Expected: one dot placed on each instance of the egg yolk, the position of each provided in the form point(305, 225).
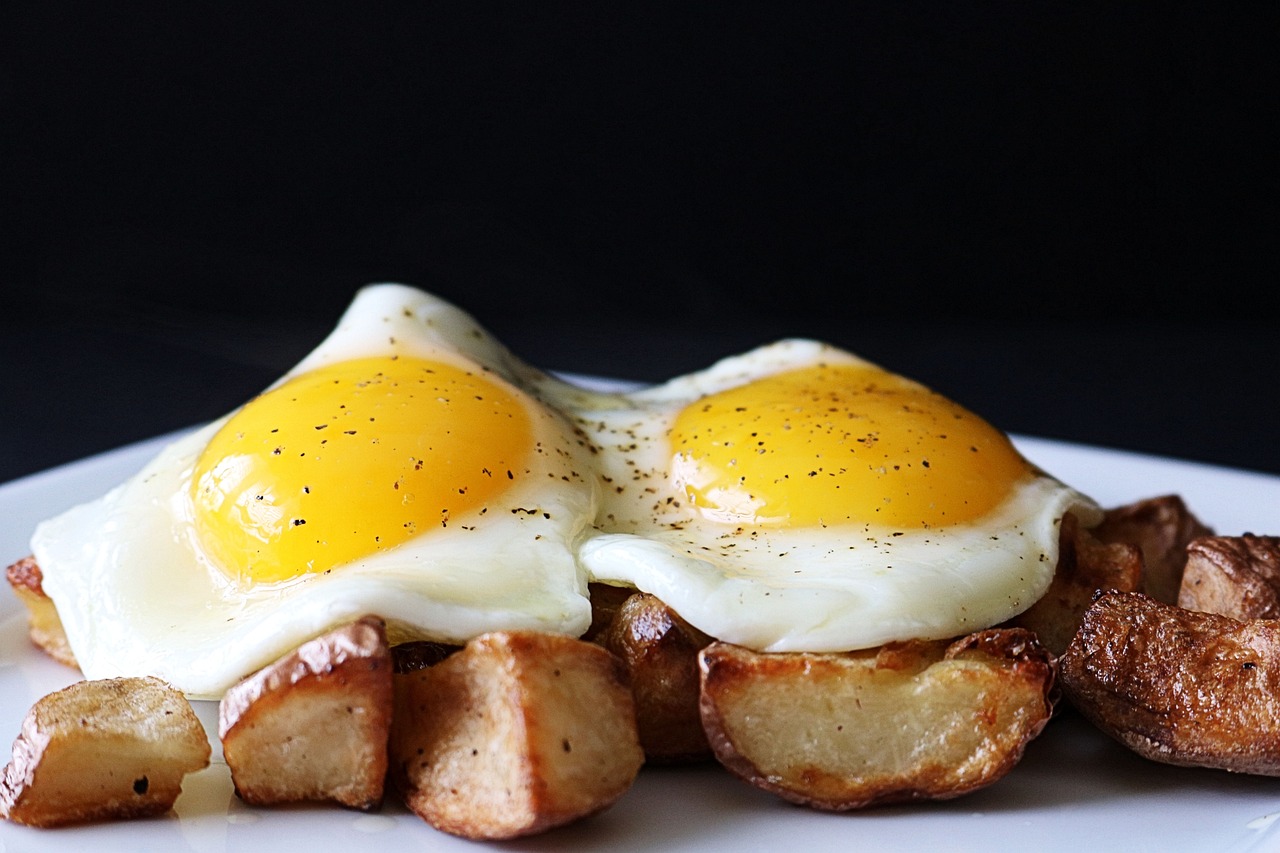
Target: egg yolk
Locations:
point(837, 444)
point(353, 458)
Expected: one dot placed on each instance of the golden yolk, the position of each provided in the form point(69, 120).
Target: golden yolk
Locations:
point(836, 444)
point(354, 458)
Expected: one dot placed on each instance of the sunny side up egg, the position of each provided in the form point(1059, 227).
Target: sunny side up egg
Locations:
point(402, 468)
point(795, 497)
point(799, 498)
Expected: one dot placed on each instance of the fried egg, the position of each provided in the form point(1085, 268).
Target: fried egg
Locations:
point(797, 497)
point(403, 468)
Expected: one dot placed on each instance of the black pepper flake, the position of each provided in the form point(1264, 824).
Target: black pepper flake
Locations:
point(298, 522)
point(140, 785)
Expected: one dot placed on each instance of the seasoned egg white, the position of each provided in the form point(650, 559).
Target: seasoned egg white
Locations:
point(402, 469)
point(800, 498)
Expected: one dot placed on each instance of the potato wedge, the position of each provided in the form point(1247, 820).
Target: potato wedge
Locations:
point(1161, 527)
point(660, 652)
point(910, 721)
point(102, 750)
point(1177, 686)
point(44, 626)
point(313, 726)
point(1236, 576)
point(515, 734)
point(1085, 566)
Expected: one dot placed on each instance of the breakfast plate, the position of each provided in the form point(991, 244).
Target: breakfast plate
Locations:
point(1073, 787)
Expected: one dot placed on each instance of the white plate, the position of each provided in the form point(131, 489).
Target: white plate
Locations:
point(1074, 789)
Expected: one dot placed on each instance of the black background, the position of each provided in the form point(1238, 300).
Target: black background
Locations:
point(1062, 215)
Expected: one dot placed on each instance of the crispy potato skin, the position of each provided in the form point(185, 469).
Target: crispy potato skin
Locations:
point(660, 653)
point(25, 574)
point(1161, 527)
point(112, 749)
point(1235, 576)
point(44, 626)
point(313, 725)
point(515, 734)
point(1085, 566)
point(910, 721)
point(1178, 686)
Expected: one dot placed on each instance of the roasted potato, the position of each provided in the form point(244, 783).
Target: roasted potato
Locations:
point(606, 600)
point(1161, 527)
point(515, 734)
point(660, 652)
point(102, 750)
point(1085, 566)
point(313, 726)
point(44, 626)
point(1177, 686)
point(1236, 576)
point(910, 721)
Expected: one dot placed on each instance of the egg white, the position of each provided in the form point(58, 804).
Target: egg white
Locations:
point(828, 588)
point(135, 594)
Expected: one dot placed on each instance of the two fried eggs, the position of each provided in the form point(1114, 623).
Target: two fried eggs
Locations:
point(795, 497)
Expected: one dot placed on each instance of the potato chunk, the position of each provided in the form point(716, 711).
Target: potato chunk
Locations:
point(660, 652)
point(910, 721)
point(1177, 686)
point(1236, 576)
point(516, 733)
point(44, 626)
point(313, 726)
point(102, 750)
point(1085, 565)
point(1161, 527)
point(606, 601)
